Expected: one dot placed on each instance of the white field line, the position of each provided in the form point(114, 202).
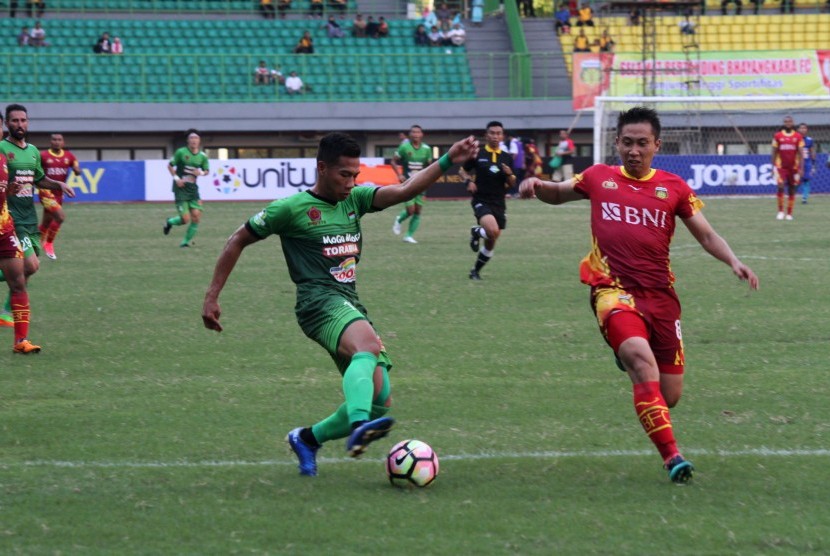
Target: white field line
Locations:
point(757, 452)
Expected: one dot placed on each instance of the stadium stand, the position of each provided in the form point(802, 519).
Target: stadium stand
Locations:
point(715, 32)
point(212, 60)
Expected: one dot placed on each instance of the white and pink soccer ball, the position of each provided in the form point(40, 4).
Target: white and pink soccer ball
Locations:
point(411, 463)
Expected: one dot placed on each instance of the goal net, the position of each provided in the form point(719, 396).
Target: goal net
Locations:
point(722, 145)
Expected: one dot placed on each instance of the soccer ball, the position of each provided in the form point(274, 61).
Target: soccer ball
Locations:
point(411, 463)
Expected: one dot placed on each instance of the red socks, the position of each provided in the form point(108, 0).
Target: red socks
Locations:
point(653, 414)
point(790, 204)
point(47, 235)
point(20, 313)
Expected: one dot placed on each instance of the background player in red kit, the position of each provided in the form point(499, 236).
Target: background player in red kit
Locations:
point(11, 265)
point(787, 161)
point(633, 211)
point(56, 162)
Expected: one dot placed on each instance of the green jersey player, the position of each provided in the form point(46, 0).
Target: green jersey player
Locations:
point(411, 157)
point(25, 174)
point(321, 236)
point(186, 165)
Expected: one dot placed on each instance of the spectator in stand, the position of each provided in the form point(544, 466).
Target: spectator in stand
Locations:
point(581, 42)
point(294, 85)
point(477, 15)
point(359, 26)
point(38, 36)
point(430, 18)
point(333, 28)
point(634, 16)
point(687, 26)
point(725, 3)
point(38, 6)
point(316, 8)
point(421, 37)
point(12, 8)
point(266, 8)
point(339, 6)
point(526, 8)
point(283, 6)
point(444, 16)
point(23, 37)
point(436, 37)
point(562, 20)
point(787, 6)
point(117, 46)
point(262, 74)
point(586, 16)
point(456, 18)
point(372, 28)
point(606, 43)
point(305, 45)
point(103, 46)
point(277, 76)
point(456, 36)
point(383, 27)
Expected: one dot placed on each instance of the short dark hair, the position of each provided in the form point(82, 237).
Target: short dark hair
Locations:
point(190, 132)
point(494, 123)
point(15, 108)
point(803, 124)
point(334, 145)
point(637, 115)
point(413, 126)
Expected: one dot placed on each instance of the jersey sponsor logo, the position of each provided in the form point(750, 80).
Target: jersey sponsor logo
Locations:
point(341, 238)
point(10, 156)
point(638, 216)
point(714, 175)
point(634, 187)
point(314, 215)
point(345, 272)
point(661, 192)
point(609, 184)
point(340, 250)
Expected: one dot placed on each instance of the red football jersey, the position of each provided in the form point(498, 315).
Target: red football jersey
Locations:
point(6, 222)
point(632, 223)
point(788, 145)
point(57, 165)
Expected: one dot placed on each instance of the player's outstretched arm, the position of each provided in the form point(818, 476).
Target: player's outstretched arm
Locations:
point(716, 246)
point(420, 182)
point(49, 183)
point(211, 311)
point(550, 192)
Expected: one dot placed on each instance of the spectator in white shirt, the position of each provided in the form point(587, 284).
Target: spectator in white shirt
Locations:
point(293, 84)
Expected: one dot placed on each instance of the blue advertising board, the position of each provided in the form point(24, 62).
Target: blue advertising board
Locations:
point(108, 182)
point(734, 174)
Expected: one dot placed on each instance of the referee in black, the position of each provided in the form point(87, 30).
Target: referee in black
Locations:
point(489, 176)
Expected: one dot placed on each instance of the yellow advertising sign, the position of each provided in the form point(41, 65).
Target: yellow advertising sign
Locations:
point(749, 73)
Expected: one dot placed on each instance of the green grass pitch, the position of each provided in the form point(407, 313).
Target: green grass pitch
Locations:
point(137, 431)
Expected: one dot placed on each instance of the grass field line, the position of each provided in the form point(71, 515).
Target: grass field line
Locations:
point(553, 454)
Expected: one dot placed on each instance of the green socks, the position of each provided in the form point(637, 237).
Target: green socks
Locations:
point(175, 221)
point(402, 216)
point(190, 233)
point(339, 424)
point(413, 224)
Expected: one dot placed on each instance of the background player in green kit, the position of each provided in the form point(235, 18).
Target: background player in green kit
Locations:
point(25, 174)
point(187, 164)
point(322, 240)
point(411, 157)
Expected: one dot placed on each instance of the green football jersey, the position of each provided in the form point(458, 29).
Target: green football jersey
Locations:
point(183, 160)
point(25, 168)
point(321, 241)
point(413, 160)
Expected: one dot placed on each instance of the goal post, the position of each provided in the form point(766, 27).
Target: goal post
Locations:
point(721, 144)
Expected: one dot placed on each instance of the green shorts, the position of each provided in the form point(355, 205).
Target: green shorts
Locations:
point(419, 200)
point(325, 316)
point(184, 207)
point(29, 237)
